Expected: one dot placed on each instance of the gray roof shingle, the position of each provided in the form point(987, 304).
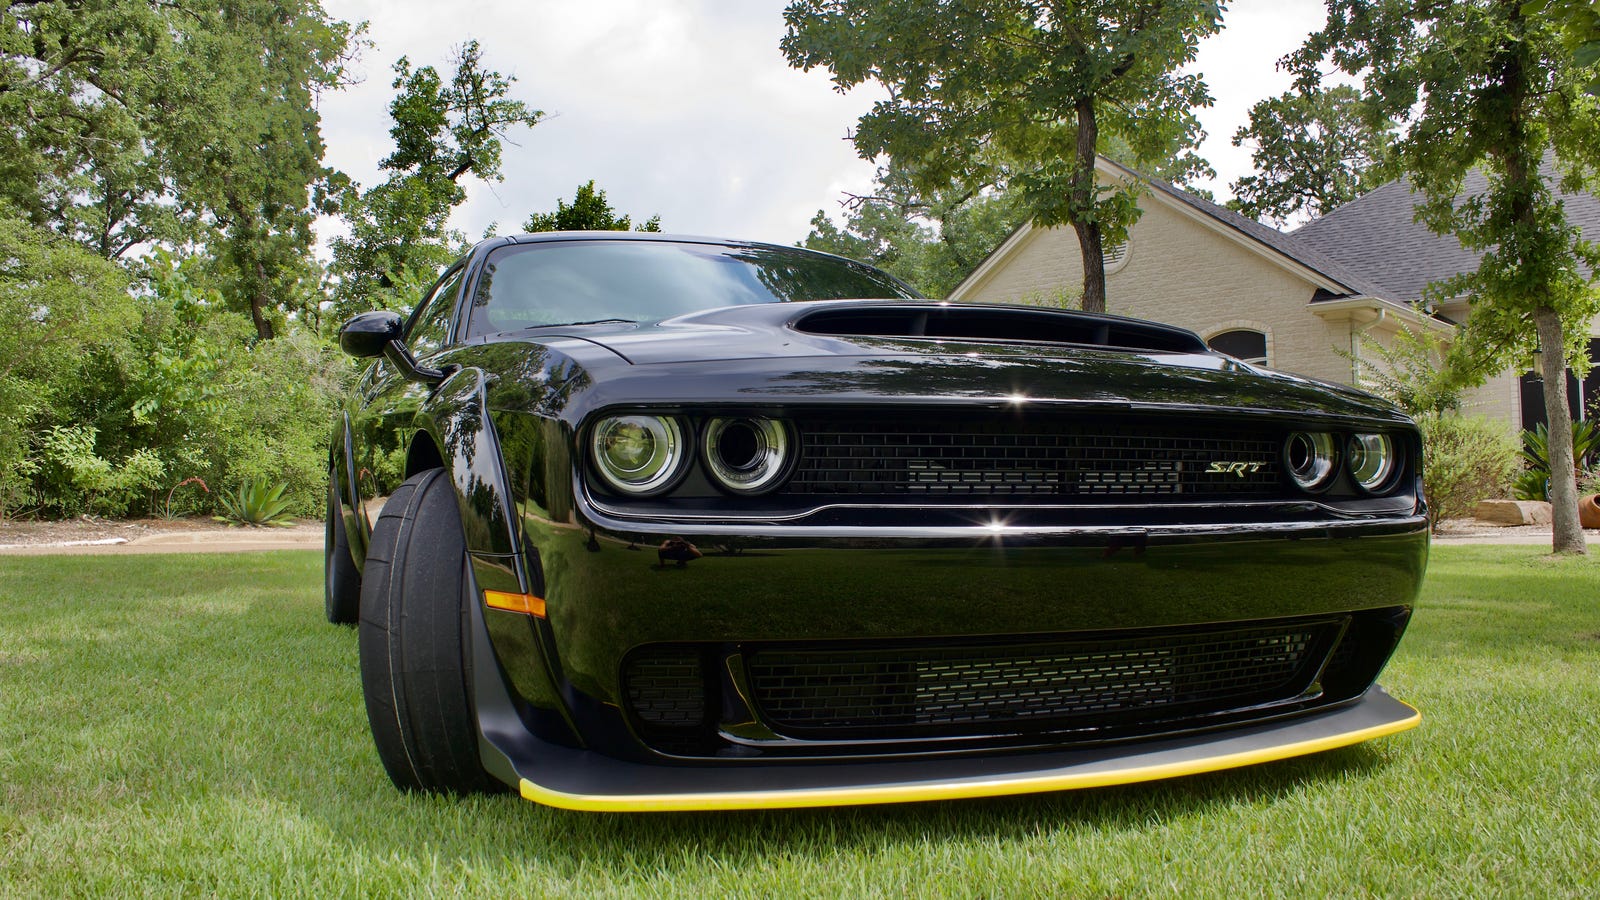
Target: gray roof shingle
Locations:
point(1377, 235)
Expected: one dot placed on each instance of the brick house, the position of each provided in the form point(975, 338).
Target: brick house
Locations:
point(1292, 300)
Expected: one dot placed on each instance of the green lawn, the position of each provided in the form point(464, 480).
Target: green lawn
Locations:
point(188, 724)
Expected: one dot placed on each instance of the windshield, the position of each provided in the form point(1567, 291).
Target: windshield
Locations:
point(593, 281)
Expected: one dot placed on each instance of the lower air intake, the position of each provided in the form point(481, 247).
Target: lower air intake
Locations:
point(907, 691)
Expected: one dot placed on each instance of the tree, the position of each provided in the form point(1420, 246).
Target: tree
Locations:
point(1314, 150)
point(443, 132)
point(85, 94)
point(1483, 85)
point(589, 211)
point(137, 122)
point(1021, 95)
point(885, 229)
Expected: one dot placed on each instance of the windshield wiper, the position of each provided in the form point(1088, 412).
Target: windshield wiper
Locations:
point(594, 322)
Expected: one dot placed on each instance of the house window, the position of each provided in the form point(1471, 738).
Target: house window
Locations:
point(1243, 344)
point(1583, 397)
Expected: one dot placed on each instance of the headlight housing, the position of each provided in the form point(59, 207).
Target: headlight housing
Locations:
point(637, 454)
point(747, 455)
point(1371, 460)
point(1310, 457)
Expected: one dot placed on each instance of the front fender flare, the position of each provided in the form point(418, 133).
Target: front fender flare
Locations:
point(456, 417)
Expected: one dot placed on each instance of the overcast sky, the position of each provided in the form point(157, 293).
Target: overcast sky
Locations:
point(686, 108)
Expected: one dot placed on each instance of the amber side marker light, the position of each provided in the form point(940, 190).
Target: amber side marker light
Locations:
point(527, 604)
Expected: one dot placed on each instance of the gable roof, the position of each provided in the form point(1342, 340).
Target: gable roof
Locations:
point(1377, 234)
point(1287, 246)
point(1333, 279)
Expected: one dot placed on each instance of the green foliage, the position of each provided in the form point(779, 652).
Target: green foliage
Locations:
point(1016, 95)
point(1464, 460)
point(589, 211)
point(69, 468)
point(443, 131)
point(257, 503)
point(1578, 22)
point(885, 230)
point(1533, 482)
point(116, 394)
point(130, 122)
point(1412, 372)
point(57, 299)
point(1314, 150)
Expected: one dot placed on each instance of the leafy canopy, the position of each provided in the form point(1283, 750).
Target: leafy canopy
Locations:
point(588, 211)
point(931, 241)
point(443, 131)
point(1314, 150)
point(1017, 93)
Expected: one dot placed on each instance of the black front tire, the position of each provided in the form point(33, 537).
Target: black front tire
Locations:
point(341, 582)
point(414, 642)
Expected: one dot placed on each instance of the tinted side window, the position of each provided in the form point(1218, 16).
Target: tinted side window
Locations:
point(432, 326)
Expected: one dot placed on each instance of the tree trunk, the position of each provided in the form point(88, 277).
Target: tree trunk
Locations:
point(1084, 191)
point(1566, 535)
point(259, 301)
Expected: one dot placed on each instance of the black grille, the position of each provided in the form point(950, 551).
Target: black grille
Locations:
point(1092, 462)
point(1069, 683)
point(666, 688)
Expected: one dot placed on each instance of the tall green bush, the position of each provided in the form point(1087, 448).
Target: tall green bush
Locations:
point(109, 396)
point(55, 299)
point(1464, 460)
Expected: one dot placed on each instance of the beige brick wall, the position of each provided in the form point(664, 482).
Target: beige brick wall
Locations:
point(1184, 273)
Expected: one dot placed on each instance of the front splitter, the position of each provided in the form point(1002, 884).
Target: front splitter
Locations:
point(575, 779)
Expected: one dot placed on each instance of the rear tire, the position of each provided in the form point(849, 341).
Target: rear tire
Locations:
point(341, 582)
point(413, 640)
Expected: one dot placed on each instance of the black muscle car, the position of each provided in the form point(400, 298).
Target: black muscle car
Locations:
point(682, 523)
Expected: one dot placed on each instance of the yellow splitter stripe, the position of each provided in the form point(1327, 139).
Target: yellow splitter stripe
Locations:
point(952, 790)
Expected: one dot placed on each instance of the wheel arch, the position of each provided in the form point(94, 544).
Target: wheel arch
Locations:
point(455, 432)
point(341, 468)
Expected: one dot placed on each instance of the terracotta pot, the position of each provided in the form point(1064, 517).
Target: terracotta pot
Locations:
point(1589, 511)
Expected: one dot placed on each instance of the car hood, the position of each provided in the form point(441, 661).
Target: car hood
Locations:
point(808, 352)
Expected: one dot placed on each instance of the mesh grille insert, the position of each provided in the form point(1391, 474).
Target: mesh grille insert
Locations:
point(1045, 684)
point(1092, 461)
point(666, 688)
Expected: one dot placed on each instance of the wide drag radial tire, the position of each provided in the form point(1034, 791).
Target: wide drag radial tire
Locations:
point(413, 638)
point(341, 583)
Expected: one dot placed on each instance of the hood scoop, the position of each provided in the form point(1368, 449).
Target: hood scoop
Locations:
point(1010, 324)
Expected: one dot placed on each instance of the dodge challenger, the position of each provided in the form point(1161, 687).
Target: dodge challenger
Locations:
point(645, 522)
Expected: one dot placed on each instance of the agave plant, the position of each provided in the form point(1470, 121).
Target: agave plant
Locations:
point(257, 503)
point(1533, 483)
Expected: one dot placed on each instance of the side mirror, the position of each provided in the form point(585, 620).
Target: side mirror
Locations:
point(377, 333)
point(366, 336)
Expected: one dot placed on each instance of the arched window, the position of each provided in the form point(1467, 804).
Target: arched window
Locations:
point(1243, 344)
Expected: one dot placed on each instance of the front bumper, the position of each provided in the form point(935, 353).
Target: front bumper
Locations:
point(553, 717)
point(576, 779)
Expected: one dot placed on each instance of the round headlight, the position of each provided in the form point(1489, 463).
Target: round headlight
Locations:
point(1371, 460)
point(638, 454)
point(1308, 455)
point(747, 456)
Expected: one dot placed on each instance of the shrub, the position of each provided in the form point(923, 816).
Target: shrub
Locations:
point(1533, 482)
point(256, 503)
point(1464, 460)
point(71, 470)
